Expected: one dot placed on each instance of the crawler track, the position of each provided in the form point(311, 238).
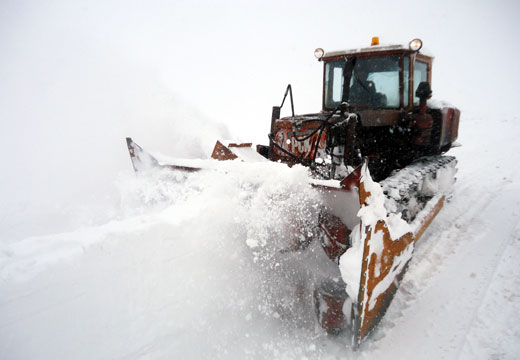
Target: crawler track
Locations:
point(409, 189)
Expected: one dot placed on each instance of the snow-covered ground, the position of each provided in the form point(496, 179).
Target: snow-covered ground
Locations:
point(96, 263)
point(189, 267)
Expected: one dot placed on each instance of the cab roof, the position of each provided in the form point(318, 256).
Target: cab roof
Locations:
point(374, 49)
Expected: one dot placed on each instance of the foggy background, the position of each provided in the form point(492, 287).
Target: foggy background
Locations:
point(77, 77)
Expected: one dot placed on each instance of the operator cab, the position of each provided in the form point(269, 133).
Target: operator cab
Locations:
point(381, 76)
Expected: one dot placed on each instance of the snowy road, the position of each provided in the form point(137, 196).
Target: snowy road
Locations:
point(178, 280)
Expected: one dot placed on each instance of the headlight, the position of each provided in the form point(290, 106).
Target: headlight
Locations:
point(319, 53)
point(415, 44)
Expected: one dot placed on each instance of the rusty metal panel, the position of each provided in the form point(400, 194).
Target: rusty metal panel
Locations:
point(220, 152)
point(379, 117)
point(241, 145)
point(305, 149)
point(455, 125)
point(385, 261)
point(427, 220)
point(446, 126)
point(366, 54)
point(422, 129)
point(410, 80)
point(335, 235)
point(376, 291)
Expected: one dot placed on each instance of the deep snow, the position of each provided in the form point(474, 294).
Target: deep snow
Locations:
point(96, 263)
point(178, 271)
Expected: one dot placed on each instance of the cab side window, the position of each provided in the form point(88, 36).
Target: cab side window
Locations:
point(420, 74)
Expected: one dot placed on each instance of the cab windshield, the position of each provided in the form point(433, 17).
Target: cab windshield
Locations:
point(374, 82)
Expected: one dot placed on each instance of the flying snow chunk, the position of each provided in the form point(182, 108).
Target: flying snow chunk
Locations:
point(252, 243)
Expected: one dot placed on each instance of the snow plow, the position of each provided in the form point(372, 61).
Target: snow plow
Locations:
point(375, 154)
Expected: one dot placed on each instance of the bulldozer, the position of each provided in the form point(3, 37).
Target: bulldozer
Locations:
point(375, 153)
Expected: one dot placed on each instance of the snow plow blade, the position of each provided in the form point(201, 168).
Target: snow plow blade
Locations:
point(142, 160)
point(374, 258)
point(385, 260)
point(368, 228)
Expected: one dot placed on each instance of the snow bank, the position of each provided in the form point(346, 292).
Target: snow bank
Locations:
point(205, 252)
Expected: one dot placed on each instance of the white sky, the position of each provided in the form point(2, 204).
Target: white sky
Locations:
point(230, 57)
